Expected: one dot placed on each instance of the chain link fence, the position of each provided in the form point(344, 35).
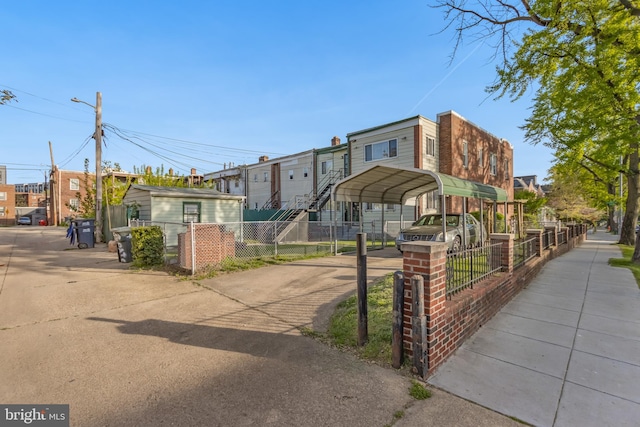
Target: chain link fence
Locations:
point(194, 246)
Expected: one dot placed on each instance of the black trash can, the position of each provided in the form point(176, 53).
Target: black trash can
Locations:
point(122, 236)
point(85, 229)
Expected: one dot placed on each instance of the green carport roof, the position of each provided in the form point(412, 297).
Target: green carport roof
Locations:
point(386, 184)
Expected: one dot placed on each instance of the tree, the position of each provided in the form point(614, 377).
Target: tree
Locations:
point(6, 96)
point(583, 57)
point(575, 195)
point(148, 176)
point(86, 202)
point(533, 203)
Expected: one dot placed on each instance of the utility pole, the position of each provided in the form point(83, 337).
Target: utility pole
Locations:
point(52, 187)
point(98, 138)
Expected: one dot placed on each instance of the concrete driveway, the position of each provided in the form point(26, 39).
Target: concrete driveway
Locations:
point(143, 348)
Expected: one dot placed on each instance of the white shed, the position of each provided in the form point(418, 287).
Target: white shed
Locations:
point(176, 207)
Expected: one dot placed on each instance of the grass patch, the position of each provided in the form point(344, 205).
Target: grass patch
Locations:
point(232, 265)
point(418, 391)
point(625, 261)
point(343, 326)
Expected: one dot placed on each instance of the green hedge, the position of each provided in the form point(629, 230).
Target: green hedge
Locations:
point(147, 246)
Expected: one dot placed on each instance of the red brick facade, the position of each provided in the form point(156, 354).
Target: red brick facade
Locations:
point(454, 132)
point(65, 185)
point(8, 204)
point(212, 245)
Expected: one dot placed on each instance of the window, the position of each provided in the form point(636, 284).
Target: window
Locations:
point(493, 164)
point(266, 176)
point(2, 211)
point(480, 157)
point(381, 150)
point(430, 146)
point(74, 184)
point(305, 172)
point(190, 211)
point(236, 183)
point(256, 206)
point(465, 154)
point(506, 170)
point(74, 204)
point(3, 195)
point(326, 166)
point(255, 177)
point(290, 173)
point(432, 199)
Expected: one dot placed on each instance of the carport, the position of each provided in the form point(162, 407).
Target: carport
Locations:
point(393, 185)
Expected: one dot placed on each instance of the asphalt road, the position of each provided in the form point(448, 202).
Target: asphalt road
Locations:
point(139, 348)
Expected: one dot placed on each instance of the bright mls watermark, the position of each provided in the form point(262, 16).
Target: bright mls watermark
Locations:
point(34, 415)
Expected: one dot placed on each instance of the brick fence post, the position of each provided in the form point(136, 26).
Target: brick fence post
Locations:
point(427, 259)
point(538, 236)
point(506, 250)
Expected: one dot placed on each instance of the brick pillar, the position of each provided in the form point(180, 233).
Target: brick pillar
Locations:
point(506, 250)
point(429, 261)
point(538, 235)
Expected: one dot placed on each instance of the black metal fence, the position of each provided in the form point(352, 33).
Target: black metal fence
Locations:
point(523, 251)
point(465, 268)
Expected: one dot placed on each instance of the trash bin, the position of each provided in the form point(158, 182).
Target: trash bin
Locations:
point(84, 229)
point(122, 236)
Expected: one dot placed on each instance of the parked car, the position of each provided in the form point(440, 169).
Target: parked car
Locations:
point(429, 228)
point(24, 220)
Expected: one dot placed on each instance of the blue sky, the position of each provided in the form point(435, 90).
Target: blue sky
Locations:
point(200, 84)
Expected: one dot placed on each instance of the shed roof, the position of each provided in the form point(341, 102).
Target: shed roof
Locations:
point(201, 193)
point(386, 184)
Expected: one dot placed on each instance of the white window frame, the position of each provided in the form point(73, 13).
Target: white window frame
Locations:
point(305, 172)
point(465, 154)
point(3, 195)
point(255, 177)
point(74, 182)
point(493, 164)
point(290, 173)
point(430, 146)
point(381, 150)
point(74, 205)
point(266, 176)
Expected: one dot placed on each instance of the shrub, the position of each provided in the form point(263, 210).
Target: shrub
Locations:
point(147, 246)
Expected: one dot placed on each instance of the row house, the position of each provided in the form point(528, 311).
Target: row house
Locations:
point(452, 145)
point(301, 181)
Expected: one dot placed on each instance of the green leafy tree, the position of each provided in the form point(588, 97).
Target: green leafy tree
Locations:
point(582, 58)
point(158, 177)
point(86, 202)
point(6, 96)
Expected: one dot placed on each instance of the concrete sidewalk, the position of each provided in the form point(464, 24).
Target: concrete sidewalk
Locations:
point(564, 352)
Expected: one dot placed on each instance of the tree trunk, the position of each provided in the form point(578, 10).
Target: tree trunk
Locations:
point(628, 231)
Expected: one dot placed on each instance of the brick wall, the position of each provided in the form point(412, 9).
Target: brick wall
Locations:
point(212, 246)
point(453, 130)
point(9, 204)
point(450, 322)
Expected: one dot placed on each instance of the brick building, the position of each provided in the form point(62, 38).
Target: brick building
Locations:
point(7, 204)
point(67, 188)
point(470, 152)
